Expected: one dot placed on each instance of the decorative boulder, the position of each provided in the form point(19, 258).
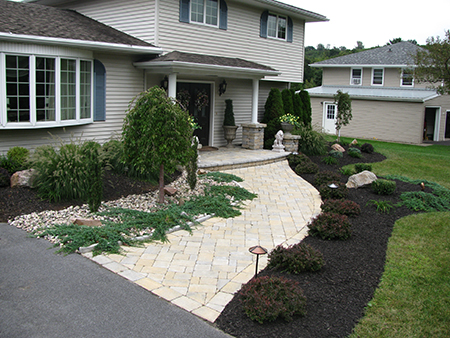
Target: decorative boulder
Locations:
point(22, 178)
point(338, 147)
point(169, 190)
point(360, 179)
point(354, 142)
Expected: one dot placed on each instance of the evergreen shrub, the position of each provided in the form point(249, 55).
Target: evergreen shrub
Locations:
point(326, 177)
point(367, 148)
point(343, 207)
point(360, 167)
point(4, 178)
point(354, 152)
point(330, 225)
point(326, 192)
point(307, 167)
point(330, 160)
point(296, 258)
point(266, 298)
point(383, 187)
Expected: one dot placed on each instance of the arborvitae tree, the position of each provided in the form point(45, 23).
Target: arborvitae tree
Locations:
point(298, 106)
point(273, 109)
point(307, 111)
point(288, 104)
point(229, 114)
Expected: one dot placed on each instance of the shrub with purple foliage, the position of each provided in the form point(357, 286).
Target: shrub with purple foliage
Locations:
point(296, 258)
point(343, 207)
point(329, 225)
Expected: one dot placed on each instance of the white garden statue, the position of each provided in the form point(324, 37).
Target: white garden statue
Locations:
point(278, 144)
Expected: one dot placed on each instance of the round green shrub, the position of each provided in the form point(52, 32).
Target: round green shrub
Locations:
point(343, 207)
point(296, 258)
point(307, 167)
point(335, 154)
point(330, 225)
point(354, 152)
point(4, 178)
point(360, 167)
point(340, 192)
point(367, 148)
point(326, 177)
point(296, 159)
point(383, 187)
point(266, 298)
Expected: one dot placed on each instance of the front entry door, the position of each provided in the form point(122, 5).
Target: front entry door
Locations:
point(329, 118)
point(196, 99)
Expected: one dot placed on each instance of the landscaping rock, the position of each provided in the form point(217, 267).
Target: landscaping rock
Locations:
point(87, 221)
point(338, 147)
point(354, 142)
point(169, 190)
point(360, 179)
point(22, 178)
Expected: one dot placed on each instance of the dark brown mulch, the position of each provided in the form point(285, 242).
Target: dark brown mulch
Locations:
point(339, 292)
point(22, 201)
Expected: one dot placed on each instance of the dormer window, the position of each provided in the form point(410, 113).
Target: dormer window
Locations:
point(276, 26)
point(377, 76)
point(407, 78)
point(356, 78)
point(206, 12)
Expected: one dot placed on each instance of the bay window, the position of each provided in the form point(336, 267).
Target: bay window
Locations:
point(38, 91)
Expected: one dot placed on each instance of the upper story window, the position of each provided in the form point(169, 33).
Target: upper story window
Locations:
point(207, 12)
point(276, 26)
point(45, 91)
point(377, 76)
point(356, 77)
point(407, 78)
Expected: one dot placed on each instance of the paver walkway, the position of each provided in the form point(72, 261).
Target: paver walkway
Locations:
point(202, 271)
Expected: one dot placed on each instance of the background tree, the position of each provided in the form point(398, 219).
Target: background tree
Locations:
point(433, 64)
point(344, 111)
point(156, 135)
point(273, 109)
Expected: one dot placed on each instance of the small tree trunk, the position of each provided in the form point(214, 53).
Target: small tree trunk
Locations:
point(161, 183)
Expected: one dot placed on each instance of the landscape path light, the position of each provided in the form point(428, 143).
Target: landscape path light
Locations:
point(257, 250)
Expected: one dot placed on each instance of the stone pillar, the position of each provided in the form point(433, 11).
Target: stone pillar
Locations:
point(253, 135)
point(291, 142)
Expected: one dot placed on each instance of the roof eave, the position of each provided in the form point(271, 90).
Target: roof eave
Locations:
point(207, 69)
point(93, 45)
point(315, 65)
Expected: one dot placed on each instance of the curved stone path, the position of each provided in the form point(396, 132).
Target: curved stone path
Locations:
point(200, 272)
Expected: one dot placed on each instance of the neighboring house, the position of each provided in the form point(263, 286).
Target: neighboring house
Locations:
point(72, 67)
point(387, 104)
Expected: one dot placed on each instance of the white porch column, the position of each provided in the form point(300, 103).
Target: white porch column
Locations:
point(172, 85)
point(255, 101)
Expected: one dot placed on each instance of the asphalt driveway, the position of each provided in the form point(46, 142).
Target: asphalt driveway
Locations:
point(43, 294)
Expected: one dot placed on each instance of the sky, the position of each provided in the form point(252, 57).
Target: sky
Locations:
point(374, 23)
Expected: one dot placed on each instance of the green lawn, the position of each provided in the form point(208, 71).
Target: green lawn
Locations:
point(413, 298)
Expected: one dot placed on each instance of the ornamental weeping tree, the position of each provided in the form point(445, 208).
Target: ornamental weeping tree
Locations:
point(156, 135)
point(344, 111)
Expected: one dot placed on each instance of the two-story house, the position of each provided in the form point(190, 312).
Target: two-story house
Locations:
point(72, 67)
point(387, 104)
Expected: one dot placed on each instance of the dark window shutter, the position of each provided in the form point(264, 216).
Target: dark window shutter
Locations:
point(184, 10)
point(290, 30)
point(99, 91)
point(263, 26)
point(223, 15)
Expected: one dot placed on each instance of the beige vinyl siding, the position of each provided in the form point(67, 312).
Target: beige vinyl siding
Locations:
point(336, 76)
point(386, 121)
point(240, 40)
point(123, 82)
point(136, 17)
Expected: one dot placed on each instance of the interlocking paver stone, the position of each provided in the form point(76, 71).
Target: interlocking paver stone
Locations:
point(200, 272)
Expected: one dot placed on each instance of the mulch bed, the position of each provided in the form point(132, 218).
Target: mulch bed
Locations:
point(338, 293)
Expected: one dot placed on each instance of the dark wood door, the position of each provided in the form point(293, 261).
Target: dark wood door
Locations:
point(196, 98)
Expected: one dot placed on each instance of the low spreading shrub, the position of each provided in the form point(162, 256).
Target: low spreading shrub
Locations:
point(295, 258)
point(330, 225)
point(343, 207)
point(307, 167)
point(4, 178)
point(296, 159)
point(266, 298)
point(326, 192)
point(383, 187)
point(360, 167)
point(325, 177)
point(330, 160)
point(335, 154)
point(367, 148)
point(354, 152)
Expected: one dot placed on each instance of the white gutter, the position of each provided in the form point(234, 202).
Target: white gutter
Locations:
point(192, 65)
point(95, 45)
point(359, 66)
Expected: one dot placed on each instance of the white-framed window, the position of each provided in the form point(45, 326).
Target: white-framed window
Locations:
point(407, 78)
point(45, 91)
point(377, 76)
point(276, 26)
point(356, 77)
point(331, 111)
point(205, 12)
